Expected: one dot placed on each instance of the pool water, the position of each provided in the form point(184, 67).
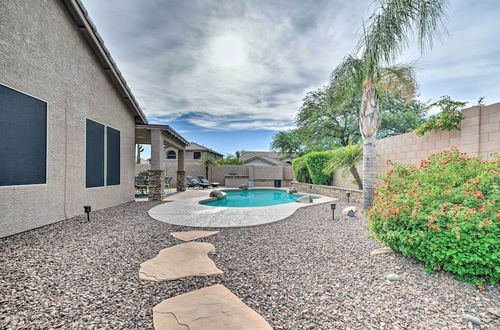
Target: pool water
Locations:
point(255, 198)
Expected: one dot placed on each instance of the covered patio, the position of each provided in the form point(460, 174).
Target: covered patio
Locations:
point(161, 137)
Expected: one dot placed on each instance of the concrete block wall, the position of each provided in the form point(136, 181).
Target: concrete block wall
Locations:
point(331, 191)
point(479, 135)
point(262, 175)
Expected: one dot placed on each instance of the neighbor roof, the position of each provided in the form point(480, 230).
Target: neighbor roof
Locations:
point(193, 146)
point(270, 161)
point(88, 29)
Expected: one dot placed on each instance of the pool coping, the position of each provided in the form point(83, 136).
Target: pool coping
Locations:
point(211, 199)
point(191, 213)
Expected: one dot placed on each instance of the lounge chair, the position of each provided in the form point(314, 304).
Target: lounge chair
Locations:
point(192, 183)
point(203, 180)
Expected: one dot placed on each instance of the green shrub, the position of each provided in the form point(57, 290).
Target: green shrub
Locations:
point(445, 213)
point(448, 119)
point(316, 162)
point(144, 174)
point(300, 171)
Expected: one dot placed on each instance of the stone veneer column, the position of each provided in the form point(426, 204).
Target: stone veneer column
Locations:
point(181, 173)
point(181, 181)
point(156, 185)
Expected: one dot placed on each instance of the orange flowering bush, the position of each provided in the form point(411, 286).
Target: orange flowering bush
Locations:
point(445, 213)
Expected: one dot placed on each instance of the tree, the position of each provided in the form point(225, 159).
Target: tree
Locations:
point(140, 149)
point(207, 162)
point(288, 143)
point(231, 160)
point(387, 34)
point(237, 154)
point(346, 158)
point(329, 119)
point(398, 116)
point(326, 124)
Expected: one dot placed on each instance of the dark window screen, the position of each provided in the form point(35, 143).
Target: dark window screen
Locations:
point(196, 155)
point(23, 136)
point(94, 162)
point(113, 156)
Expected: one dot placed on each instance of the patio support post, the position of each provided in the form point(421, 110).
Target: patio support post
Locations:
point(181, 174)
point(156, 173)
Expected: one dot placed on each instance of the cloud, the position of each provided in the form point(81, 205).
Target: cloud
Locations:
point(166, 52)
point(234, 64)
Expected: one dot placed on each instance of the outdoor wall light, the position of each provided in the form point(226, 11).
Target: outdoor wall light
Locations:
point(87, 209)
point(348, 195)
point(333, 206)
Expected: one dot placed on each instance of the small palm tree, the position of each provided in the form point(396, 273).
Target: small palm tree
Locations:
point(347, 158)
point(207, 162)
point(390, 29)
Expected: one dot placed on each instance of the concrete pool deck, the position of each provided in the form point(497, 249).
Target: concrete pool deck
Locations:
point(189, 212)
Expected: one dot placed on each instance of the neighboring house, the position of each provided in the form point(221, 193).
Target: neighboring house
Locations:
point(194, 152)
point(271, 158)
point(68, 121)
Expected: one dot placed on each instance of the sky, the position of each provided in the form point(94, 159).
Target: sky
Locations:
point(229, 74)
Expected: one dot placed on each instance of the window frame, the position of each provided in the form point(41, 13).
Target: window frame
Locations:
point(105, 156)
point(194, 154)
point(175, 154)
point(47, 130)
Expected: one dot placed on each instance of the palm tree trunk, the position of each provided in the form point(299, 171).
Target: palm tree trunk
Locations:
point(355, 174)
point(369, 164)
point(369, 122)
point(138, 154)
point(206, 172)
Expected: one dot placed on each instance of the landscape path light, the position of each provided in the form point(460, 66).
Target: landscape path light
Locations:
point(87, 209)
point(333, 206)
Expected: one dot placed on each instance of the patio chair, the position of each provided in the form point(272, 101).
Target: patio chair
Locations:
point(251, 184)
point(203, 180)
point(192, 183)
point(141, 185)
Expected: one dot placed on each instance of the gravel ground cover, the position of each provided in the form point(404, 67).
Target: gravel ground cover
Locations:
point(306, 272)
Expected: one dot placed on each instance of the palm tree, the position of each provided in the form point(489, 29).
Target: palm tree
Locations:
point(207, 162)
point(346, 158)
point(390, 28)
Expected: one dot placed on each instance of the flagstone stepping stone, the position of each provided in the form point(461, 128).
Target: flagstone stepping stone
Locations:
point(211, 308)
point(183, 260)
point(192, 235)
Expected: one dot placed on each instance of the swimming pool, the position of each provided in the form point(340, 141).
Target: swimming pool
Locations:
point(255, 198)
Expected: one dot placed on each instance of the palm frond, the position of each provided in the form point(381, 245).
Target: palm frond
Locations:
point(399, 79)
point(344, 158)
point(346, 80)
point(393, 22)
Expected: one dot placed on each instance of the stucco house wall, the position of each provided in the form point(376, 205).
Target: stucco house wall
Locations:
point(43, 54)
